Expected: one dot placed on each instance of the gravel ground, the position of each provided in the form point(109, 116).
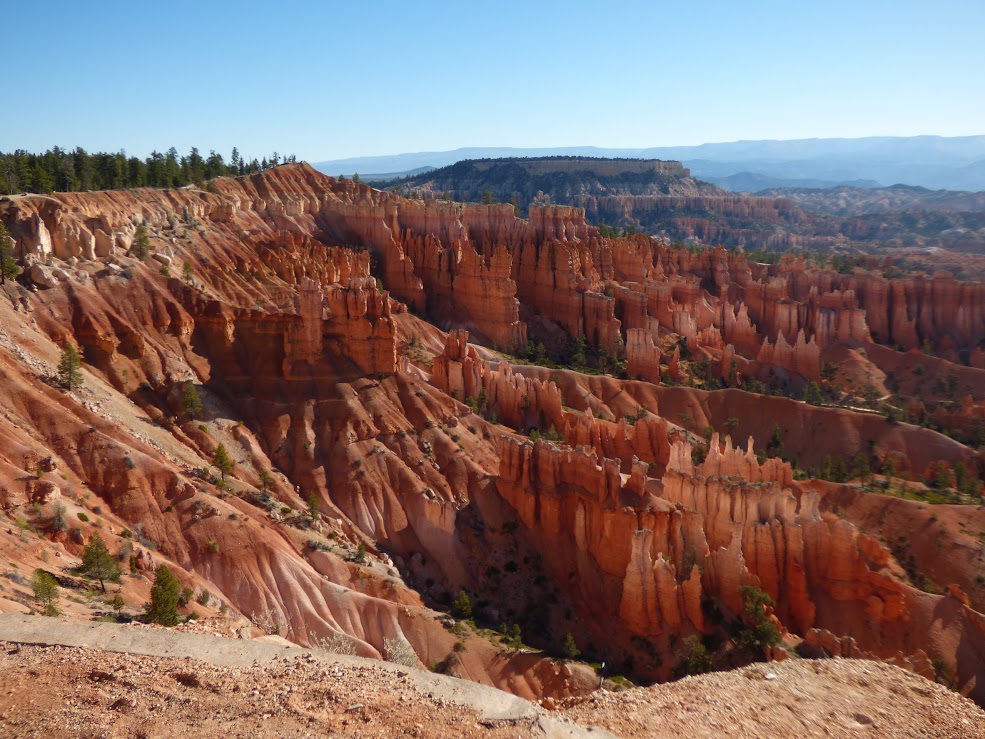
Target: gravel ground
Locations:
point(74, 692)
point(59, 691)
point(794, 698)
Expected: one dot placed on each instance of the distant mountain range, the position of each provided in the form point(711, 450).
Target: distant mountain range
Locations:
point(953, 163)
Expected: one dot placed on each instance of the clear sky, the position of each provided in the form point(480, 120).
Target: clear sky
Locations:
point(326, 80)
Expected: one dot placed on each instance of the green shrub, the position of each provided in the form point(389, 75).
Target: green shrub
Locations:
point(70, 367)
point(141, 243)
point(461, 608)
point(191, 401)
point(98, 563)
point(45, 591)
point(698, 659)
point(570, 648)
point(760, 631)
point(164, 596)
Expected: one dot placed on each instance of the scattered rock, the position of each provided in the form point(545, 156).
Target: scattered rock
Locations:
point(42, 276)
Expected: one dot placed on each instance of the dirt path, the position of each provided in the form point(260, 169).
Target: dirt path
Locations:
point(433, 700)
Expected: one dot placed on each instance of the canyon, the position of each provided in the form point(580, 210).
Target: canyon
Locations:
point(655, 196)
point(589, 436)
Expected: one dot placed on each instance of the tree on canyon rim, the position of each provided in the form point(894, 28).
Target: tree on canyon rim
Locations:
point(8, 267)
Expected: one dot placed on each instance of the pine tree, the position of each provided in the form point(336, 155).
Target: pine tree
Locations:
point(98, 563)
point(164, 596)
point(761, 631)
point(141, 243)
point(116, 602)
point(222, 461)
point(70, 367)
point(191, 401)
point(570, 647)
point(860, 466)
point(462, 606)
point(812, 394)
point(8, 267)
point(314, 511)
point(45, 591)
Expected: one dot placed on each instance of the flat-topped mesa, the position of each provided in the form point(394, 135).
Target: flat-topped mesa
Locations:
point(601, 167)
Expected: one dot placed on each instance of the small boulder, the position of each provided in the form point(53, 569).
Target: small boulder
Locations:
point(42, 276)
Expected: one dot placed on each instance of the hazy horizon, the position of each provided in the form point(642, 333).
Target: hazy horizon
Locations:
point(327, 81)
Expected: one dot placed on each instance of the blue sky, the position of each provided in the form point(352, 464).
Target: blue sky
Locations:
point(327, 80)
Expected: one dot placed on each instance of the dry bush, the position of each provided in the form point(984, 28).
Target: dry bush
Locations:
point(400, 652)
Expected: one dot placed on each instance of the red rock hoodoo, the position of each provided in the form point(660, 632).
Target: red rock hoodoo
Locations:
point(573, 470)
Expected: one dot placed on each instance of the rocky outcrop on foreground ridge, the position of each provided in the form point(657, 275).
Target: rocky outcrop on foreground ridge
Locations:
point(117, 694)
point(382, 465)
